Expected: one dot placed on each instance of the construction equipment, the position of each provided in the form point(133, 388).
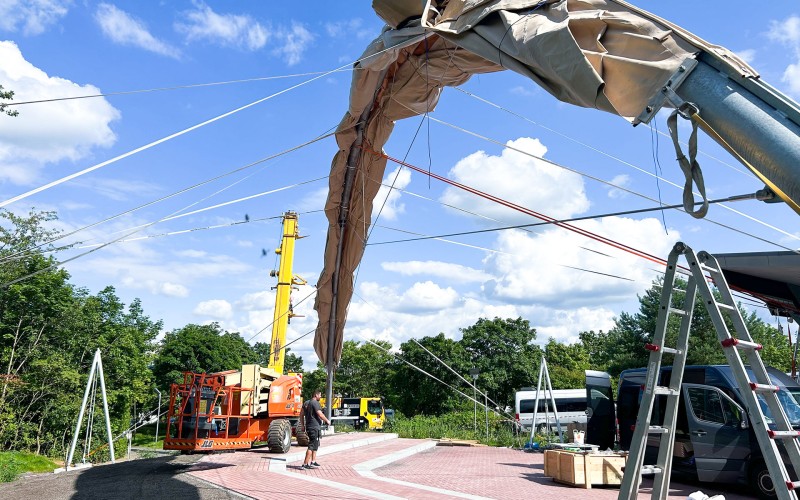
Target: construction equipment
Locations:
point(233, 409)
point(778, 442)
point(362, 413)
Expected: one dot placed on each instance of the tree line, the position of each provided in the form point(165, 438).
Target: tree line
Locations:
point(50, 329)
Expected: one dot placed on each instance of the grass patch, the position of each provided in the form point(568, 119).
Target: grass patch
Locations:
point(14, 463)
point(456, 425)
point(145, 437)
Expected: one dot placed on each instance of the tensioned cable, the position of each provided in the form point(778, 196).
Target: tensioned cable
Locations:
point(177, 87)
point(127, 234)
point(184, 190)
point(521, 151)
point(581, 143)
point(454, 207)
point(573, 219)
point(226, 203)
point(597, 179)
point(514, 206)
point(182, 132)
point(614, 185)
point(426, 373)
point(205, 228)
point(313, 291)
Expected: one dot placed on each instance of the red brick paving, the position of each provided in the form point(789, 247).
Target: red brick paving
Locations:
point(499, 473)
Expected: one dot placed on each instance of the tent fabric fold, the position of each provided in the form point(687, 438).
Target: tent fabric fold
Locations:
point(601, 54)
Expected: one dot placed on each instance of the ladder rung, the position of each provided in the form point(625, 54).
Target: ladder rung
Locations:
point(679, 312)
point(783, 434)
point(705, 267)
point(656, 348)
point(651, 469)
point(741, 344)
point(665, 391)
point(726, 306)
point(763, 387)
point(792, 485)
point(657, 429)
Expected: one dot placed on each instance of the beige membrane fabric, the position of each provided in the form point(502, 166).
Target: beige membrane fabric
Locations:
point(591, 53)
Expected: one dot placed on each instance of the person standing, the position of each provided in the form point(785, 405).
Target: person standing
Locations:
point(313, 418)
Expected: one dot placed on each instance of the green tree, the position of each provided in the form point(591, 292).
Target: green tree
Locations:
point(622, 347)
point(503, 351)
point(363, 369)
point(566, 364)
point(413, 392)
point(49, 331)
point(199, 348)
point(8, 95)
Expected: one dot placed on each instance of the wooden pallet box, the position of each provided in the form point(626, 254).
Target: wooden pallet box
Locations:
point(572, 468)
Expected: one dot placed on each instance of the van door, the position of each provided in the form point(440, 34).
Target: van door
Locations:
point(601, 421)
point(720, 443)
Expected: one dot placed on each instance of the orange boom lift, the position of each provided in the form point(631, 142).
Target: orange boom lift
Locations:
point(231, 410)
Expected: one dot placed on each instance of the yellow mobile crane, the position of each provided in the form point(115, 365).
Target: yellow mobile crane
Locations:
point(232, 409)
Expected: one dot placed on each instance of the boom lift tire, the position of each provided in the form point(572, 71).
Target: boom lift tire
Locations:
point(279, 437)
point(300, 433)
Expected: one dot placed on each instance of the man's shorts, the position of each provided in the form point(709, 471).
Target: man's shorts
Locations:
point(313, 439)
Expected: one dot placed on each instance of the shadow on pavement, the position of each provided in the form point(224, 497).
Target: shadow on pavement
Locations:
point(163, 477)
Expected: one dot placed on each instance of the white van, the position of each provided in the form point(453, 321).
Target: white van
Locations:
point(570, 404)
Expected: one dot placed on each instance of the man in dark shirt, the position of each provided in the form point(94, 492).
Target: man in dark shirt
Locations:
point(313, 418)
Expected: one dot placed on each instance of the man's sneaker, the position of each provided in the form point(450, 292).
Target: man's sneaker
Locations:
point(315, 464)
point(306, 466)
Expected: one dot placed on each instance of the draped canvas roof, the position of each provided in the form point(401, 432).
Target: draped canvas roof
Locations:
point(602, 54)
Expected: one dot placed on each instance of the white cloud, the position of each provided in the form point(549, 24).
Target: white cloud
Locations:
point(539, 268)
point(31, 16)
point(748, 55)
point(622, 180)
point(66, 130)
point(520, 179)
point(444, 270)
point(171, 290)
point(217, 309)
point(230, 30)
point(314, 200)
point(392, 206)
point(192, 254)
point(527, 91)
point(421, 298)
point(125, 29)
point(294, 41)
point(787, 32)
point(348, 29)
point(118, 189)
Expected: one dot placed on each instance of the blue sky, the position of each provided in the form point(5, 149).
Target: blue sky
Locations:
point(51, 48)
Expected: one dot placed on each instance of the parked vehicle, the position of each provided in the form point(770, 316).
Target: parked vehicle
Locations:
point(362, 413)
point(570, 406)
point(713, 438)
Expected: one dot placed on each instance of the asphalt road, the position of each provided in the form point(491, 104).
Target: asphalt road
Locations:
point(162, 477)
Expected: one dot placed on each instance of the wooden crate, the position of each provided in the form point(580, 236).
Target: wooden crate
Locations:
point(572, 468)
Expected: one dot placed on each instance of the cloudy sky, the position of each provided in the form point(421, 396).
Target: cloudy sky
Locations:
point(193, 214)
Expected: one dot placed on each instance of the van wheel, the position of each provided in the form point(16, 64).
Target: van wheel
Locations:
point(760, 480)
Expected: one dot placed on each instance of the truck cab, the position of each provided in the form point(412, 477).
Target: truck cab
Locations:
point(713, 438)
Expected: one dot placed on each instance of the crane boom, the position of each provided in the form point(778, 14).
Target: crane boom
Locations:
point(286, 280)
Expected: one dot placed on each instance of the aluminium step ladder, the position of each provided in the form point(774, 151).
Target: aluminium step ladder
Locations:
point(733, 347)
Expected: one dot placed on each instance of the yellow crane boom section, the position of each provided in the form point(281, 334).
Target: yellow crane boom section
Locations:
point(283, 292)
